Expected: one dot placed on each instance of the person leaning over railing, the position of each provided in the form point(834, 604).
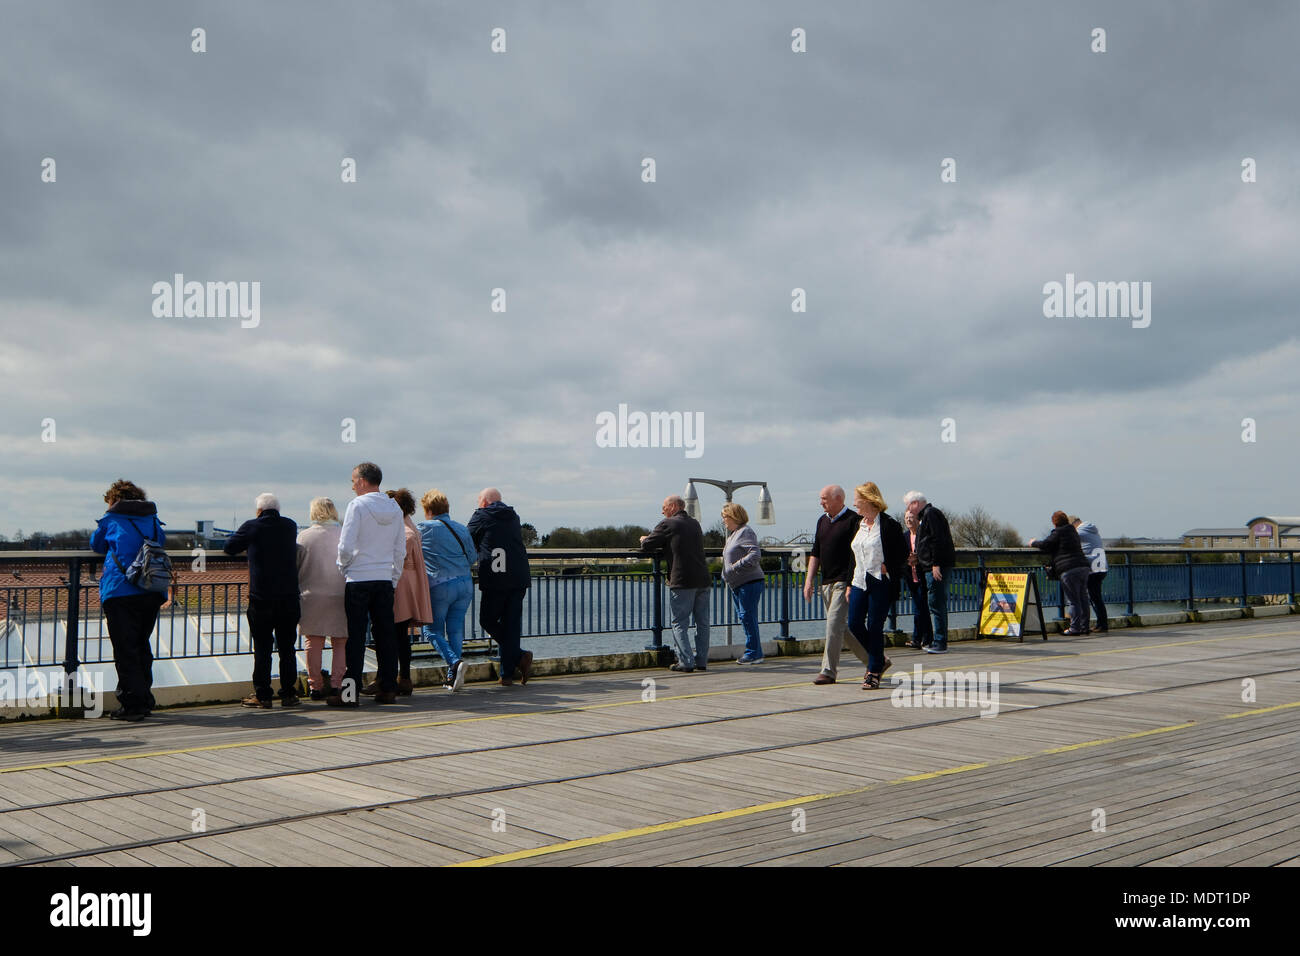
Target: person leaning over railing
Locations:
point(1070, 565)
point(271, 541)
point(320, 592)
point(743, 573)
point(504, 579)
point(411, 598)
point(131, 612)
point(689, 582)
point(447, 547)
point(1095, 551)
point(880, 555)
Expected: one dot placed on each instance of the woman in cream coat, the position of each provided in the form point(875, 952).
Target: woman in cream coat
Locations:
point(320, 586)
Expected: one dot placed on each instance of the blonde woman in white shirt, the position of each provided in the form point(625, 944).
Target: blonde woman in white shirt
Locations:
point(880, 555)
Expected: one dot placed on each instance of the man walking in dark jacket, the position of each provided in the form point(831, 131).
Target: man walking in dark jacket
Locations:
point(935, 555)
point(503, 579)
point(272, 545)
point(689, 582)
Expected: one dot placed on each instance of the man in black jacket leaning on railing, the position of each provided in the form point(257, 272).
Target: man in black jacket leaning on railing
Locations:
point(271, 541)
point(689, 582)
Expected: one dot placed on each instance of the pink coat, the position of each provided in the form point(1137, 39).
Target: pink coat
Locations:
point(411, 598)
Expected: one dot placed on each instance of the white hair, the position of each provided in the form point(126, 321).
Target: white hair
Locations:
point(913, 496)
point(267, 502)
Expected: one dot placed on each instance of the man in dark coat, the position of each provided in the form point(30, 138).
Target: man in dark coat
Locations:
point(935, 556)
point(503, 579)
point(689, 581)
point(271, 541)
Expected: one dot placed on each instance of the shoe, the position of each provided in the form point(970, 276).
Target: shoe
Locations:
point(871, 682)
point(458, 681)
point(506, 682)
point(822, 679)
point(1069, 633)
point(318, 695)
point(336, 700)
point(1102, 630)
point(383, 698)
point(371, 689)
point(404, 686)
point(702, 667)
point(932, 649)
point(682, 669)
point(525, 667)
point(130, 716)
point(293, 700)
point(746, 659)
point(252, 700)
point(914, 645)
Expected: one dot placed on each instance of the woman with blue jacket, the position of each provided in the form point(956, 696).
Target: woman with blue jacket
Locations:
point(131, 612)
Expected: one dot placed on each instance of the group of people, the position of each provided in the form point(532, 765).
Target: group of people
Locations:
point(1079, 563)
point(379, 573)
point(864, 557)
point(376, 572)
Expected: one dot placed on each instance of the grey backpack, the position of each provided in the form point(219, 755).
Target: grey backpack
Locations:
point(152, 569)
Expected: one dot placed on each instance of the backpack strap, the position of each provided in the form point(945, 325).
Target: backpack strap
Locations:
point(468, 559)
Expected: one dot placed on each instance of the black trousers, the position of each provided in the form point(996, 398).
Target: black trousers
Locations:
point(1094, 596)
point(501, 615)
point(273, 622)
point(370, 602)
point(403, 631)
point(131, 620)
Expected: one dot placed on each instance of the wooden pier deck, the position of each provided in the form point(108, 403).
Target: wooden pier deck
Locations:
point(1134, 748)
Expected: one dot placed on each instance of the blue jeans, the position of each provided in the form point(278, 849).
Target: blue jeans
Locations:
point(450, 601)
point(938, 590)
point(867, 612)
point(683, 603)
point(745, 599)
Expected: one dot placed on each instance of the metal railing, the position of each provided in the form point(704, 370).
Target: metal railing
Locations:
point(50, 612)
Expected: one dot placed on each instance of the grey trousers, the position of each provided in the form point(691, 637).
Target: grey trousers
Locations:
point(683, 603)
point(836, 598)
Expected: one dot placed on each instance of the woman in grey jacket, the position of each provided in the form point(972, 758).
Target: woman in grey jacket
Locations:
point(744, 577)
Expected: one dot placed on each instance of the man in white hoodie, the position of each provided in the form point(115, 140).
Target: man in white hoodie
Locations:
point(372, 550)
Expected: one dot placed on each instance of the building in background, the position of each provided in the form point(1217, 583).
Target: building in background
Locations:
point(1265, 531)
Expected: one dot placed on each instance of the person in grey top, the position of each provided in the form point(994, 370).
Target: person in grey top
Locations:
point(1095, 552)
point(744, 577)
point(689, 581)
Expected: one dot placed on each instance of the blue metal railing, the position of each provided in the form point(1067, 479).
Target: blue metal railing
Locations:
point(44, 624)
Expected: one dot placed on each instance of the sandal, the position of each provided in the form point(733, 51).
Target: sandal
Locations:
point(871, 682)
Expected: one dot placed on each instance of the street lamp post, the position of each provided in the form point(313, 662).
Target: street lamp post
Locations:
point(766, 511)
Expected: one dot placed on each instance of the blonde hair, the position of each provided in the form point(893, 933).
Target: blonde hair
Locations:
point(322, 509)
point(435, 502)
point(869, 491)
point(736, 513)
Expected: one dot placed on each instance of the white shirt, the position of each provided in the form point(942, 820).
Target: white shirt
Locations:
point(868, 553)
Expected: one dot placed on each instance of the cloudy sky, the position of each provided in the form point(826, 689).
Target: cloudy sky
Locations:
point(774, 170)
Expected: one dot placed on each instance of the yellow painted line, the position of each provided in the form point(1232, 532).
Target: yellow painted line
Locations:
point(1263, 710)
point(636, 702)
point(819, 797)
